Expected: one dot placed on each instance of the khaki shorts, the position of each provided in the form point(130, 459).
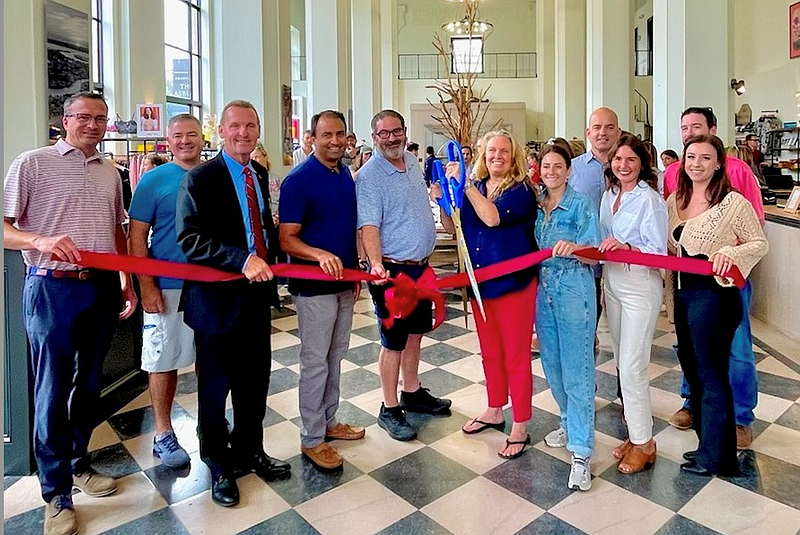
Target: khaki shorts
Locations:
point(167, 342)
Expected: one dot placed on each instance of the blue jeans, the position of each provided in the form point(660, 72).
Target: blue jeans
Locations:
point(742, 371)
point(565, 324)
point(70, 325)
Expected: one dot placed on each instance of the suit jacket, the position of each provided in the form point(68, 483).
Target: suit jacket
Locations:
point(211, 231)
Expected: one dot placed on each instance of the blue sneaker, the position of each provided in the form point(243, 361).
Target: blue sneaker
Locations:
point(166, 448)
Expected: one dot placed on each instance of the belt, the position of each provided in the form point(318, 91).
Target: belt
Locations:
point(80, 274)
point(423, 262)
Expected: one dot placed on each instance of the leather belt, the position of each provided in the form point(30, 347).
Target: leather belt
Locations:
point(80, 274)
point(423, 262)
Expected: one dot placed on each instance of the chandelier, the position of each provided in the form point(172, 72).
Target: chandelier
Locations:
point(468, 27)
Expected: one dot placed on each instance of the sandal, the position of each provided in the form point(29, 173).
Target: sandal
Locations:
point(526, 442)
point(620, 451)
point(484, 426)
point(637, 460)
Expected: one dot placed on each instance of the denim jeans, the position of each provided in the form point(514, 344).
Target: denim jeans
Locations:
point(742, 371)
point(70, 325)
point(565, 325)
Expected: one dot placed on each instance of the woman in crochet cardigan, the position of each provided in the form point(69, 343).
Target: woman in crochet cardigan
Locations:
point(709, 220)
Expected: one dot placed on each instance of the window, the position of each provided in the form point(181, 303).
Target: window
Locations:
point(644, 50)
point(467, 54)
point(182, 57)
point(97, 46)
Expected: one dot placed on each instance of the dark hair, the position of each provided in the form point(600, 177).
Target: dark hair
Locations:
point(719, 186)
point(707, 112)
point(85, 95)
point(412, 147)
point(331, 114)
point(563, 143)
point(184, 117)
point(559, 149)
point(652, 152)
point(671, 153)
point(751, 136)
point(639, 148)
point(239, 104)
point(429, 150)
point(384, 114)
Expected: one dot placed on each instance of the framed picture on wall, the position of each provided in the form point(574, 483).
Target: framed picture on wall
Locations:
point(149, 120)
point(793, 203)
point(794, 30)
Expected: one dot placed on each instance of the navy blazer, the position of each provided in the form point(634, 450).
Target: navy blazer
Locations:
point(210, 229)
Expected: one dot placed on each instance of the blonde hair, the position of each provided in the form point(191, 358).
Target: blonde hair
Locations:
point(519, 170)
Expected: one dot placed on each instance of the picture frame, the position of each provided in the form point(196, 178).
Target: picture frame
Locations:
point(150, 120)
point(794, 30)
point(793, 202)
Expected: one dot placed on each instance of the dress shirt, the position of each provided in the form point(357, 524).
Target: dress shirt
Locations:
point(587, 177)
point(573, 219)
point(640, 221)
point(237, 173)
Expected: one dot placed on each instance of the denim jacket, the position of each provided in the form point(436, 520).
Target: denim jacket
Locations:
point(574, 219)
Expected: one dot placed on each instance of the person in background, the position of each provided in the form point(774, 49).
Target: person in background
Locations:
point(167, 342)
point(70, 313)
point(429, 159)
point(668, 157)
point(708, 219)
point(566, 316)
point(413, 148)
point(304, 150)
point(498, 214)
point(633, 217)
point(532, 158)
point(261, 156)
point(754, 144)
point(152, 160)
point(466, 154)
point(652, 152)
point(364, 154)
point(351, 150)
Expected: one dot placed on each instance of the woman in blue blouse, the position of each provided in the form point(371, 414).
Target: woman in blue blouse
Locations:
point(633, 216)
point(566, 311)
point(498, 216)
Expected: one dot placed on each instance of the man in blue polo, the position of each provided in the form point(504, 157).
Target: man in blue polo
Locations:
point(398, 234)
point(318, 226)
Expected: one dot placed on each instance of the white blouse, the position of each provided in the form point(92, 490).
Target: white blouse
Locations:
point(641, 219)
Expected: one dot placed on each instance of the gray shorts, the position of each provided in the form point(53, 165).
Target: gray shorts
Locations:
point(167, 342)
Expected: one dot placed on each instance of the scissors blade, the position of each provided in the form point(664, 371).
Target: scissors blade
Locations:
point(456, 215)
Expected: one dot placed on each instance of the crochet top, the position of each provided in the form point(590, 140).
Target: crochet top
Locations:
point(730, 228)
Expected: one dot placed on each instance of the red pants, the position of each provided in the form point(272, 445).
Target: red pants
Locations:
point(505, 339)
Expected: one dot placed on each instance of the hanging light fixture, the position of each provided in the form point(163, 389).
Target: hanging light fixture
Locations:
point(467, 27)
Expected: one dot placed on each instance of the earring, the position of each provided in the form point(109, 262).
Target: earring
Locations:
point(716, 168)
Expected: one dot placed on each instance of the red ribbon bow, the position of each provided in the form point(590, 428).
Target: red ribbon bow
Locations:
point(404, 295)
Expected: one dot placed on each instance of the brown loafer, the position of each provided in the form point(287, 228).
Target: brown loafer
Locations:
point(323, 455)
point(345, 432)
point(620, 451)
point(682, 419)
point(637, 460)
point(744, 437)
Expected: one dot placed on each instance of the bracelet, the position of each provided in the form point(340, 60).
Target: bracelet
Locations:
point(630, 248)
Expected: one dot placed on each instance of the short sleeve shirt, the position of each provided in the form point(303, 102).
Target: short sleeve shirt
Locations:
point(154, 203)
point(574, 219)
point(58, 190)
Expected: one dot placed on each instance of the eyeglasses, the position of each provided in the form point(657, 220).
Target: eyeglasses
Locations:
point(85, 118)
point(397, 132)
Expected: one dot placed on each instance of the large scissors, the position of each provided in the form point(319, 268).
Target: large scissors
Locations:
point(451, 202)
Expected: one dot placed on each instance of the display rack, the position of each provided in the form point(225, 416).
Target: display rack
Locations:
point(152, 142)
point(783, 151)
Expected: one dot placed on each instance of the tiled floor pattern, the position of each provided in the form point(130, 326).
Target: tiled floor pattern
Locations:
point(445, 482)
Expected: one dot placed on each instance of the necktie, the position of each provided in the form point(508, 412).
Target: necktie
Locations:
point(255, 214)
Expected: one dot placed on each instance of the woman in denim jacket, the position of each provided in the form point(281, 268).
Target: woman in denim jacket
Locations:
point(566, 311)
point(498, 215)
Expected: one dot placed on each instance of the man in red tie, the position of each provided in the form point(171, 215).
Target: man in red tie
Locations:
point(223, 221)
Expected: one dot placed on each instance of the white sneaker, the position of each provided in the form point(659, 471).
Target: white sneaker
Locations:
point(557, 438)
point(580, 476)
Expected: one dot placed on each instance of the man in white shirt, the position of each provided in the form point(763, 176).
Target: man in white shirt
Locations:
point(302, 152)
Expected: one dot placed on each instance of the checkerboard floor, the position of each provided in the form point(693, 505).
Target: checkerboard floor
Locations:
point(446, 482)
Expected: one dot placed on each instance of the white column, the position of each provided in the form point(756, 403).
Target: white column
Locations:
point(692, 66)
point(366, 50)
point(388, 48)
point(327, 53)
point(277, 66)
point(609, 65)
point(570, 73)
point(545, 54)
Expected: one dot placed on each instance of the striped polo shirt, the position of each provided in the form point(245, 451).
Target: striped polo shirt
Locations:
point(57, 190)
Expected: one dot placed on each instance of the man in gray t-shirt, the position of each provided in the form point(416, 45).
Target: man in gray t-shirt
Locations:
point(398, 234)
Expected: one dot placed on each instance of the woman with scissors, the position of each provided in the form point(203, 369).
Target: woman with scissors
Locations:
point(498, 212)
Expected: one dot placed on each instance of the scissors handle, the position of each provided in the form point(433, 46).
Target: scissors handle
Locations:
point(454, 154)
point(439, 177)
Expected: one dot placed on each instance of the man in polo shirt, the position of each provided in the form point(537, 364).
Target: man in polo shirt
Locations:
point(398, 235)
point(302, 152)
point(742, 371)
point(58, 200)
point(318, 226)
point(167, 342)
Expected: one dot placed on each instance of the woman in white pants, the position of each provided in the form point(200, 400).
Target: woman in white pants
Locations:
point(633, 216)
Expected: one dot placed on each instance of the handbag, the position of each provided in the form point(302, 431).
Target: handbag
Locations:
point(125, 127)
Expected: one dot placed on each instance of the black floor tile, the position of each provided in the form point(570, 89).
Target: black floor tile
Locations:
point(539, 385)
point(441, 382)
point(606, 385)
point(285, 312)
point(608, 420)
point(10, 480)
point(546, 489)
point(664, 483)
point(350, 414)
point(28, 523)
point(177, 485)
point(356, 382)
point(432, 428)
point(308, 481)
point(287, 523)
point(670, 381)
point(542, 423)
point(161, 522)
point(680, 525)
point(133, 423)
point(415, 523)
point(440, 354)
point(548, 524)
point(769, 477)
point(288, 356)
point(272, 417)
point(602, 356)
point(778, 386)
point(663, 356)
point(114, 461)
point(187, 384)
point(446, 331)
point(790, 418)
point(370, 332)
point(410, 477)
point(282, 379)
point(452, 312)
point(363, 355)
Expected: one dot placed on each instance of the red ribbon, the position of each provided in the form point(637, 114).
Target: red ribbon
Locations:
point(405, 293)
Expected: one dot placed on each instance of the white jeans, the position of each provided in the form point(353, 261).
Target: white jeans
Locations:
point(633, 297)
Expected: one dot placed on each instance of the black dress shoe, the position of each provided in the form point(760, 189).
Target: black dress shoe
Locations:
point(693, 468)
point(690, 455)
point(269, 468)
point(224, 491)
